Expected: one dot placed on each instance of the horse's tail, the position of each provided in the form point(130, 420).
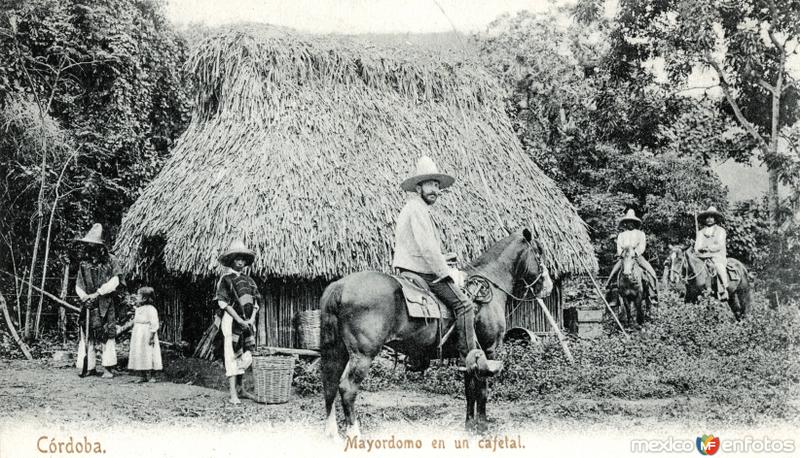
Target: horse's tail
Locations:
point(332, 349)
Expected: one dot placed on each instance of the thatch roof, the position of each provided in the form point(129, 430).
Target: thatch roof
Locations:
point(298, 145)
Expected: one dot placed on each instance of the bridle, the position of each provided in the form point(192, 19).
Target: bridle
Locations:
point(529, 286)
point(685, 268)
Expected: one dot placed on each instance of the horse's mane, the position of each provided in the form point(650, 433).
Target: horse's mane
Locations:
point(493, 253)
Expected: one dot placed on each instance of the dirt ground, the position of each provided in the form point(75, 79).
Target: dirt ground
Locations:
point(192, 393)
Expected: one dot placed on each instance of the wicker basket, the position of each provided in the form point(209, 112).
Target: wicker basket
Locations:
point(308, 324)
point(272, 376)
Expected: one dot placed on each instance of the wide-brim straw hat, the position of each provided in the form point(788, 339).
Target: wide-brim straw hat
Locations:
point(630, 215)
point(237, 248)
point(94, 236)
point(712, 211)
point(426, 170)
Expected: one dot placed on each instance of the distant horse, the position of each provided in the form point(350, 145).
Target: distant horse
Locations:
point(630, 286)
point(364, 311)
point(700, 275)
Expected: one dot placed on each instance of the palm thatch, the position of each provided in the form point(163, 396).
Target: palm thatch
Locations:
point(298, 145)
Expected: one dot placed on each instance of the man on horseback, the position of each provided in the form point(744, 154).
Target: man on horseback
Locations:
point(417, 249)
point(632, 237)
point(710, 244)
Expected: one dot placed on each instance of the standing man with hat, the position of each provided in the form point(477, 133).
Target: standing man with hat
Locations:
point(633, 237)
point(99, 278)
point(238, 298)
point(417, 249)
point(710, 244)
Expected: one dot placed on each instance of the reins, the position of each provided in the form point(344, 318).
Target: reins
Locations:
point(528, 286)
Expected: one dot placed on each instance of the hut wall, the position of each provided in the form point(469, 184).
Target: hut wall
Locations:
point(170, 316)
point(530, 316)
point(284, 299)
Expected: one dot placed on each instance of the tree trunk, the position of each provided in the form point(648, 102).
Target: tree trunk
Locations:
point(774, 199)
point(62, 312)
point(31, 279)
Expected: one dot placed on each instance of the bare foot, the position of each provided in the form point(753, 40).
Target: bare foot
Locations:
point(152, 380)
point(246, 394)
point(234, 401)
point(108, 374)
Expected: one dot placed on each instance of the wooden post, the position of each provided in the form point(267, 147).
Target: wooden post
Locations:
point(25, 350)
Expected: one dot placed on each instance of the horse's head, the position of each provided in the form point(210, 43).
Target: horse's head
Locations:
point(530, 267)
point(628, 260)
point(675, 263)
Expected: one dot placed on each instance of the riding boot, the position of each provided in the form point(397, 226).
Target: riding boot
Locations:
point(465, 326)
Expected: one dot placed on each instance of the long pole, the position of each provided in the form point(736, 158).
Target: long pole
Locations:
point(56, 299)
point(597, 288)
point(25, 350)
point(561, 339)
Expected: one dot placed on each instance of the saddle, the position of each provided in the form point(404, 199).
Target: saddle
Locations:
point(733, 274)
point(420, 301)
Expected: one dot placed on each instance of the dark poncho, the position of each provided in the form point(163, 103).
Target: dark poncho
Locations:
point(241, 293)
point(103, 310)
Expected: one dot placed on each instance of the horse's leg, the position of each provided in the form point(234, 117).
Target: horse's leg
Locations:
point(332, 370)
point(626, 305)
point(355, 371)
point(481, 392)
point(469, 394)
point(639, 309)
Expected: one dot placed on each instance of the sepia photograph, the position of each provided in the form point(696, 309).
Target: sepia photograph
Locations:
point(439, 228)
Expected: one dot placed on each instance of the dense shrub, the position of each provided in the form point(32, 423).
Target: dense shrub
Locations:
point(688, 349)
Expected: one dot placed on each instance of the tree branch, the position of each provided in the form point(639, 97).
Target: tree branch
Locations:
point(737, 111)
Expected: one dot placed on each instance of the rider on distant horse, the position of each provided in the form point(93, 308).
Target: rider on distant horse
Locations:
point(417, 249)
point(710, 244)
point(633, 237)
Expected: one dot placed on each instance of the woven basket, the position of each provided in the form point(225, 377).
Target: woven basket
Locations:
point(272, 376)
point(308, 324)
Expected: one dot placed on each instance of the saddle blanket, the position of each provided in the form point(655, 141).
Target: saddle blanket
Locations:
point(733, 274)
point(421, 303)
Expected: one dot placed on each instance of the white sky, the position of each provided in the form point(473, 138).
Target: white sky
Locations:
point(353, 16)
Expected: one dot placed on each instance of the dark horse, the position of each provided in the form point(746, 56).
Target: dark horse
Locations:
point(364, 311)
point(630, 286)
point(699, 276)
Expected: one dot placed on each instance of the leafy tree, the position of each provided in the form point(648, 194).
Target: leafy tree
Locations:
point(106, 73)
point(609, 143)
point(745, 44)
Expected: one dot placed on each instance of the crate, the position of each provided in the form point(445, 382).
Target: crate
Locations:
point(590, 315)
point(272, 377)
point(308, 326)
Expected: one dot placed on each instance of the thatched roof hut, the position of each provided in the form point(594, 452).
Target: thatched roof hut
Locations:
point(298, 145)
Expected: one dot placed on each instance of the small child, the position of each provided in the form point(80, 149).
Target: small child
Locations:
point(145, 352)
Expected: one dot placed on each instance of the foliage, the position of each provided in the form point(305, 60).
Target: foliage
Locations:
point(107, 72)
point(609, 143)
point(743, 45)
point(695, 350)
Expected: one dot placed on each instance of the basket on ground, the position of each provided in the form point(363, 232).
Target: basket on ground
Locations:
point(308, 324)
point(272, 376)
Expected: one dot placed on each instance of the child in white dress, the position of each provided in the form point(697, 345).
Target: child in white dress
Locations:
point(145, 351)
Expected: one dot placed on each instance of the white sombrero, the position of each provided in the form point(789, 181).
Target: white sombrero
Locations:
point(712, 211)
point(426, 170)
point(237, 248)
point(94, 236)
point(631, 216)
